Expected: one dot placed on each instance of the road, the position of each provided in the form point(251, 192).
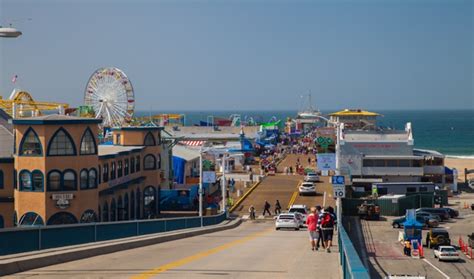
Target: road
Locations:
point(252, 250)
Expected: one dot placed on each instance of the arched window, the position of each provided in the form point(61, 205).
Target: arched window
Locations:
point(120, 209)
point(54, 180)
point(2, 225)
point(83, 180)
point(31, 219)
point(69, 181)
point(149, 203)
point(112, 171)
point(62, 218)
point(92, 178)
point(149, 140)
point(125, 207)
point(61, 144)
point(25, 181)
point(30, 144)
point(88, 146)
point(132, 205)
point(1, 180)
point(105, 212)
point(105, 173)
point(126, 169)
point(159, 162)
point(149, 162)
point(120, 169)
point(37, 178)
point(138, 202)
point(132, 165)
point(113, 211)
point(138, 161)
point(89, 216)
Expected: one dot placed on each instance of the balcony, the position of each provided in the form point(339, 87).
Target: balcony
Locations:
point(433, 169)
point(393, 171)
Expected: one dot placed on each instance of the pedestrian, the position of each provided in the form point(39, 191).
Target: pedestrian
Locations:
point(252, 212)
point(277, 207)
point(266, 208)
point(309, 160)
point(312, 222)
point(291, 169)
point(326, 222)
point(320, 239)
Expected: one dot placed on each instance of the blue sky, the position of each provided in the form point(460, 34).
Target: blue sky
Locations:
point(201, 55)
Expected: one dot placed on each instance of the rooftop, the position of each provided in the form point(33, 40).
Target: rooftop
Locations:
point(55, 119)
point(186, 153)
point(220, 133)
point(6, 142)
point(354, 112)
point(105, 150)
point(376, 135)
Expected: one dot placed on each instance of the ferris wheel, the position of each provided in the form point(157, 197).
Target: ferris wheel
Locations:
point(110, 93)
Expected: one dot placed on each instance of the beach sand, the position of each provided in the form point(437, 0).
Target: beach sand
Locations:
point(460, 165)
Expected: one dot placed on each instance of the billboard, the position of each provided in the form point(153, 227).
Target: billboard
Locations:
point(326, 161)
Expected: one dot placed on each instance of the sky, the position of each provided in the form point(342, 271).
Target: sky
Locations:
point(247, 55)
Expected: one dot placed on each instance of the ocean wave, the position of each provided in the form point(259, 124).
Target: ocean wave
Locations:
point(460, 156)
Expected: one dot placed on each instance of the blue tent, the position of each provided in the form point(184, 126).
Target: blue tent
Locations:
point(178, 169)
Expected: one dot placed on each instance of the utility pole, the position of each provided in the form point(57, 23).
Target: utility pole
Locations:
point(200, 186)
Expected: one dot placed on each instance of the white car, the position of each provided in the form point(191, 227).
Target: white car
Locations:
point(446, 253)
point(311, 177)
point(307, 188)
point(301, 208)
point(287, 221)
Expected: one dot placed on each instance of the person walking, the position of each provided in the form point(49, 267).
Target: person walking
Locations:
point(252, 212)
point(312, 223)
point(266, 208)
point(277, 207)
point(320, 240)
point(326, 222)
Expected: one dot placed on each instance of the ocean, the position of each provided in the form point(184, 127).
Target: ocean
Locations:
point(450, 132)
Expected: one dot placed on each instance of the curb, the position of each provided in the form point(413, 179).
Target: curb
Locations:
point(244, 196)
point(28, 262)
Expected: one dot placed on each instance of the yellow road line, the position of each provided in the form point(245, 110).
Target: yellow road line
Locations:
point(294, 196)
point(244, 196)
point(195, 257)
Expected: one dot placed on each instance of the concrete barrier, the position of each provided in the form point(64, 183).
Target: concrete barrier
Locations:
point(32, 260)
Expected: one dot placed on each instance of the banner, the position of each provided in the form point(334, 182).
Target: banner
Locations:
point(326, 161)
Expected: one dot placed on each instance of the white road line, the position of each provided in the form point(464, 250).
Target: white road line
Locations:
point(439, 270)
point(324, 200)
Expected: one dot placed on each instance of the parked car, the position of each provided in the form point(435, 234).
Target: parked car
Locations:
point(287, 221)
point(443, 214)
point(470, 240)
point(398, 223)
point(307, 188)
point(446, 253)
point(369, 211)
point(311, 177)
point(437, 237)
point(429, 215)
point(301, 208)
point(452, 212)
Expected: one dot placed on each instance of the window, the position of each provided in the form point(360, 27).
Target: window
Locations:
point(138, 161)
point(62, 218)
point(105, 212)
point(113, 211)
point(417, 163)
point(125, 207)
point(132, 205)
point(88, 146)
point(54, 181)
point(132, 165)
point(423, 189)
point(404, 163)
point(138, 202)
point(89, 216)
point(159, 162)
point(31, 219)
point(149, 140)
point(83, 179)
point(38, 181)
point(392, 163)
point(92, 178)
point(120, 209)
point(105, 171)
point(69, 181)
point(411, 189)
point(15, 179)
point(30, 144)
point(149, 204)
point(99, 176)
point(1, 222)
point(1, 180)
point(120, 169)
point(379, 163)
point(149, 162)
point(25, 181)
point(112, 171)
point(61, 144)
point(127, 167)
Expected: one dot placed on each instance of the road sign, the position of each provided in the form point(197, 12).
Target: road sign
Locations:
point(339, 191)
point(208, 177)
point(326, 161)
point(338, 180)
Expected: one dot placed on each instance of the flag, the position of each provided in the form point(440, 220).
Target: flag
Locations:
point(15, 77)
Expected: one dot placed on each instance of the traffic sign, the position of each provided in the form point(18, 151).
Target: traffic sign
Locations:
point(338, 180)
point(339, 191)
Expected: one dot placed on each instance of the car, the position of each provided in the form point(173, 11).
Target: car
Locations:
point(301, 208)
point(311, 177)
point(437, 237)
point(368, 211)
point(429, 215)
point(470, 240)
point(287, 221)
point(452, 212)
point(307, 188)
point(471, 183)
point(446, 253)
point(443, 214)
point(427, 223)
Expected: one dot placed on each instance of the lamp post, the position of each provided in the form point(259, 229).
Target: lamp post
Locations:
point(200, 186)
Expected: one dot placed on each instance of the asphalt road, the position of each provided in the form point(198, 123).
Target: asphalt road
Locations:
point(252, 250)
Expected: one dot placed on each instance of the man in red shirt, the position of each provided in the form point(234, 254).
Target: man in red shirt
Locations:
point(311, 222)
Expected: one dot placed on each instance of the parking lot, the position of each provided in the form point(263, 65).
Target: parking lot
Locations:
point(384, 254)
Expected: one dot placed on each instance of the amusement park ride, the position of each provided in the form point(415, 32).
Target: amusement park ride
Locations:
point(21, 104)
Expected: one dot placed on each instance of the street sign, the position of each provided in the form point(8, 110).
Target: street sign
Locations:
point(208, 177)
point(338, 180)
point(339, 191)
point(326, 161)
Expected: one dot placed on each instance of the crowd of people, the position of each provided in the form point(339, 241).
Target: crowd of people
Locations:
point(321, 224)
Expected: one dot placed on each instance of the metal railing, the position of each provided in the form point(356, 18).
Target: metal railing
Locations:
point(19, 240)
point(351, 264)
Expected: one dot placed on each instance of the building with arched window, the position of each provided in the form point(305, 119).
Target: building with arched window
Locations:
point(58, 173)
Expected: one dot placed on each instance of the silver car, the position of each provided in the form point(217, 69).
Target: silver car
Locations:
point(311, 177)
point(287, 221)
point(307, 188)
